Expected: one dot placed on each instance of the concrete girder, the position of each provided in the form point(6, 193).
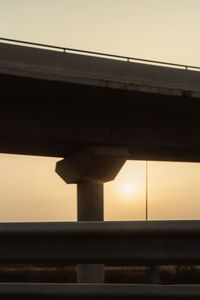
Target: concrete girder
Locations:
point(94, 164)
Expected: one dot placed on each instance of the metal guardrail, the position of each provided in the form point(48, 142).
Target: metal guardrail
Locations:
point(150, 243)
point(98, 291)
point(127, 58)
point(140, 243)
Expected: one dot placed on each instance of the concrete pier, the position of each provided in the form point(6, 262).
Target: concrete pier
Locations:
point(89, 169)
point(90, 201)
point(90, 208)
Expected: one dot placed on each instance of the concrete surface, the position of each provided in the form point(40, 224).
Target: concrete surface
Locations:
point(95, 164)
point(90, 201)
point(83, 69)
point(56, 104)
point(90, 168)
point(90, 204)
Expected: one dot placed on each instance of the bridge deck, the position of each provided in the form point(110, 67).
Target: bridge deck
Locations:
point(55, 104)
point(96, 71)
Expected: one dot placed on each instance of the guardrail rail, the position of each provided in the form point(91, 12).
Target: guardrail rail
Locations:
point(99, 54)
point(151, 243)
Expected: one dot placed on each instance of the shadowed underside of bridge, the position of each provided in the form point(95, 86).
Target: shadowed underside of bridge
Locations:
point(55, 104)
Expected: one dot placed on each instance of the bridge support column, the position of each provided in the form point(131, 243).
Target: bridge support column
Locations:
point(90, 201)
point(90, 208)
point(90, 168)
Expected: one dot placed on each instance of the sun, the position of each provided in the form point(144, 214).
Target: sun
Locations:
point(127, 189)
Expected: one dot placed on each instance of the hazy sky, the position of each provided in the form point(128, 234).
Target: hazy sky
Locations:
point(164, 30)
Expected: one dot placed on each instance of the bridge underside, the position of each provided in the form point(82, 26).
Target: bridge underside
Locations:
point(49, 118)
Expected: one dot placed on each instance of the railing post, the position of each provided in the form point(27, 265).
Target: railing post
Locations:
point(154, 275)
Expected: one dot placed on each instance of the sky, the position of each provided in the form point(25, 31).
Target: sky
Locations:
point(30, 190)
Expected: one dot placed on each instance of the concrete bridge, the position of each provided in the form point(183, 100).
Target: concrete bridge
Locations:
point(97, 113)
point(56, 103)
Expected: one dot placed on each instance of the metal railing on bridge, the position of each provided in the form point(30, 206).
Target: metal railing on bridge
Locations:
point(99, 54)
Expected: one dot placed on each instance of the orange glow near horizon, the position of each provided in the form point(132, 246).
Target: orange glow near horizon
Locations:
point(31, 191)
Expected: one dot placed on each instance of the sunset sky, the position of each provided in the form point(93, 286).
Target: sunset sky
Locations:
point(30, 190)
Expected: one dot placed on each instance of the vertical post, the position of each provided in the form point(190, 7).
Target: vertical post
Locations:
point(90, 208)
point(154, 275)
point(146, 216)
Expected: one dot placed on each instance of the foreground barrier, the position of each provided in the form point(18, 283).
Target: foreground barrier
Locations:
point(139, 243)
point(99, 291)
point(153, 242)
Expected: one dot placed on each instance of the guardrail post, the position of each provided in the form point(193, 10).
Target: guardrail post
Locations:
point(90, 168)
point(154, 275)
